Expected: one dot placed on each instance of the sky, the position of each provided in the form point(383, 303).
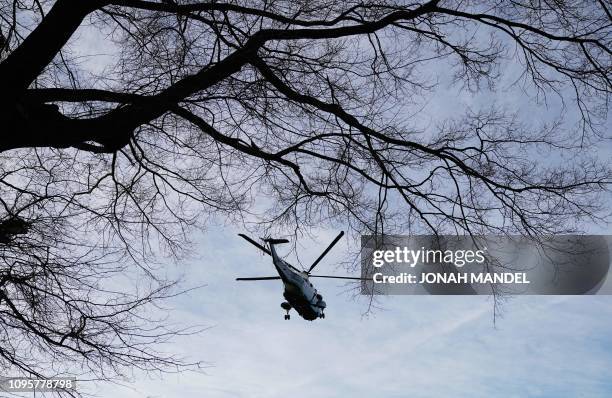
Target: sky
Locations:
point(417, 346)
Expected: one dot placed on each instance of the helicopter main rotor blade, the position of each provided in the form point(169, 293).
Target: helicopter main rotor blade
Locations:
point(251, 241)
point(340, 277)
point(325, 252)
point(260, 278)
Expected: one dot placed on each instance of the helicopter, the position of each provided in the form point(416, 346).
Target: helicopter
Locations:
point(299, 293)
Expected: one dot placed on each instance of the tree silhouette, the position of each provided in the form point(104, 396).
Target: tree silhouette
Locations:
point(202, 108)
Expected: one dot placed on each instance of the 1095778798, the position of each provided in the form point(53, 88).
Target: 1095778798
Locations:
point(30, 384)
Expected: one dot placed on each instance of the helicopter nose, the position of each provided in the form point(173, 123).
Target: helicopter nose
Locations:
point(320, 302)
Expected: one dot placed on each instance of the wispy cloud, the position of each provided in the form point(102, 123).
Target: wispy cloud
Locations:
point(419, 346)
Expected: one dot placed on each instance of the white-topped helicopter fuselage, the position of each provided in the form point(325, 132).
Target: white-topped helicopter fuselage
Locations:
point(299, 292)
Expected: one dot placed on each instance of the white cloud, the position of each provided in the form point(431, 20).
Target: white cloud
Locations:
point(419, 346)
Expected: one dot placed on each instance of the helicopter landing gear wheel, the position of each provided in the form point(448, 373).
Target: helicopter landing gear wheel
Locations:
point(287, 307)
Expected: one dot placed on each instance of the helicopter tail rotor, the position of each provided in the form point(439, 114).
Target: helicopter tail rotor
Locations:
point(276, 241)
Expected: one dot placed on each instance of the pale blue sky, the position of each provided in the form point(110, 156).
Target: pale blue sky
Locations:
point(416, 346)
